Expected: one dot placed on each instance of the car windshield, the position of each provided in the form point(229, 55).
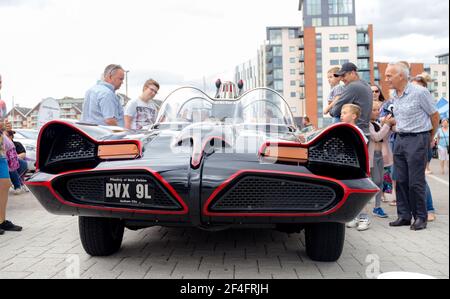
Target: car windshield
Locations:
point(259, 106)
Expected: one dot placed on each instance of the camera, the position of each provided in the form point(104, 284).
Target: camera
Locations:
point(389, 110)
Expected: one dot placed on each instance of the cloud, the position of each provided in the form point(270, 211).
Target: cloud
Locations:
point(407, 29)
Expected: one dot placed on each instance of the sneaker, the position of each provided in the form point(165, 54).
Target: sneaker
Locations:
point(379, 212)
point(364, 224)
point(10, 227)
point(353, 223)
point(2, 232)
point(18, 191)
point(25, 189)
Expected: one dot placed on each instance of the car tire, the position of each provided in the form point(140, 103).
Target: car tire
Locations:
point(325, 241)
point(101, 236)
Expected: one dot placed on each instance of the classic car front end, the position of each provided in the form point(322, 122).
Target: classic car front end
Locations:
point(207, 163)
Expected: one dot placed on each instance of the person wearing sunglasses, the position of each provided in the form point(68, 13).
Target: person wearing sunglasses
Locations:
point(101, 104)
point(142, 112)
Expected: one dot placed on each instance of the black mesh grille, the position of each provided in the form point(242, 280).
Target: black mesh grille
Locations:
point(257, 194)
point(92, 190)
point(334, 151)
point(73, 146)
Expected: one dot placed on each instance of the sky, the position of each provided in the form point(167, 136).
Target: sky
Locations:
point(53, 48)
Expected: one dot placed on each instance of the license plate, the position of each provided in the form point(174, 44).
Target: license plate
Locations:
point(129, 191)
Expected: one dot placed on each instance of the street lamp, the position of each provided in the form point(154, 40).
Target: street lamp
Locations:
point(126, 83)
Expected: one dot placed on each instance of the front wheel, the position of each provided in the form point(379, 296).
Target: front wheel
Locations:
point(325, 241)
point(101, 236)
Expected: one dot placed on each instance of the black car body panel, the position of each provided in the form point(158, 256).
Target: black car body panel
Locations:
point(203, 174)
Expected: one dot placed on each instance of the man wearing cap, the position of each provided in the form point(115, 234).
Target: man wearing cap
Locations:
point(357, 92)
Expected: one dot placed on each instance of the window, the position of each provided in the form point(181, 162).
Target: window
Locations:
point(334, 49)
point(444, 95)
point(292, 60)
point(277, 62)
point(293, 72)
point(344, 36)
point(343, 21)
point(444, 84)
point(314, 7)
point(317, 22)
point(436, 74)
point(278, 74)
point(444, 74)
point(291, 49)
point(334, 21)
point(436, 95)
point(436, 84)
point(293, 94)
point(334, 36)
point(293, 83)
point(293, 33)
point(277, 51)
point(278, 85)
point(339, 7)
point(275, 37)
point(345, 49)
point(334, 62)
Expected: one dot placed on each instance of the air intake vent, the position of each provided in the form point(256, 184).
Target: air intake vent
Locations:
point(264, 194)
point(72, 147)
point(334, 151)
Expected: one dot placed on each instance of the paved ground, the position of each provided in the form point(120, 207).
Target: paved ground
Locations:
point(49, 247)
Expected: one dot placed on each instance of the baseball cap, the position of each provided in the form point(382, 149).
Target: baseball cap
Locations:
point(346, 68)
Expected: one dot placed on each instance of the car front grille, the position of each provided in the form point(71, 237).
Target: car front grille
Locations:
point(271, 194)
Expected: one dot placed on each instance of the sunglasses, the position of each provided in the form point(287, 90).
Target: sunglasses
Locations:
point(375, 91)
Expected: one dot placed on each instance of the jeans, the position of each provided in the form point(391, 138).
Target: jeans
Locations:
point(17, 174)
point(430, 207)
point(377, 172)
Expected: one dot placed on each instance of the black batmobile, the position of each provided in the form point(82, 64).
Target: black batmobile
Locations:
point(210, 163)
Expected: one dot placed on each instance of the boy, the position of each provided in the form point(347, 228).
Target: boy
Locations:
point(350, 114)
point(142, 112)
point(336, 91)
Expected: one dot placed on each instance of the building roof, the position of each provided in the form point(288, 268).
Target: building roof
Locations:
point(442, 55)
point(21, 110)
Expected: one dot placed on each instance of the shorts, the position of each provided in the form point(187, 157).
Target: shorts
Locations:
point(443, 153)
point(4, 171)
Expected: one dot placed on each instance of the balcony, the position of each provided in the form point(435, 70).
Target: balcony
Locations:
point(302, 58)
point(362, 28)
point(363, 54)
point(269, 58)
point(301, 33)
point(302, 71)
point(269, 69)
point(302, 46)
point(302, 95)
point(363, 41)
point(302, 83)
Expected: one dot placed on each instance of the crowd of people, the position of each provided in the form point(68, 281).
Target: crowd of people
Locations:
point(400, 131)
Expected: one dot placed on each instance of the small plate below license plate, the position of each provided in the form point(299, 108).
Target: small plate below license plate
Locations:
point(130, 191)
